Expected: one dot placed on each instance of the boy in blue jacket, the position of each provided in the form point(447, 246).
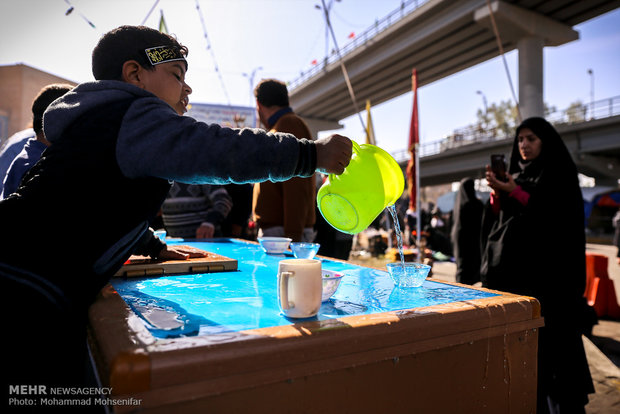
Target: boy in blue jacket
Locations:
point(116, 145)
point(36, 145)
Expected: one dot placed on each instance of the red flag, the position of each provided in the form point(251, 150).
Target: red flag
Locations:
point(413, 143)
point(351, 35)
point(314, 62)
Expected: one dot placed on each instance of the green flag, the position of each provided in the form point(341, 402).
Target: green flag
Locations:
point(162, 23)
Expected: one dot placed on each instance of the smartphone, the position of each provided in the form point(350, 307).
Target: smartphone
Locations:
point(498, 166)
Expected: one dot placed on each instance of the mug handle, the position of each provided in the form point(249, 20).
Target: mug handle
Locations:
point(284, 290)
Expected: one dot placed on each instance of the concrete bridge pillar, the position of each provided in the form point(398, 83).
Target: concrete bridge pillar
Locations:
point(531, 76)
point(531, 32)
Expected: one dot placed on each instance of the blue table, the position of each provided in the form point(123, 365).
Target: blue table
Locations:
point(217, 342)
point(207, 303)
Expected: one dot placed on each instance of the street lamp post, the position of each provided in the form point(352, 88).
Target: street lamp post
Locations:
point(591, 73)
point(250, 77)
point(486, 109)
point(328, 7)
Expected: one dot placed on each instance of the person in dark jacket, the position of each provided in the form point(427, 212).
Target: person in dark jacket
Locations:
point(535, 246)
point(286, 208)
point(465, 235)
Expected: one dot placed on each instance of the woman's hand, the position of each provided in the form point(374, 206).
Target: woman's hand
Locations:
point(180, 252)
point(498, 185)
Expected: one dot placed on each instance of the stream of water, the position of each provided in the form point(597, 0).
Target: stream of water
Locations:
point(399, 234)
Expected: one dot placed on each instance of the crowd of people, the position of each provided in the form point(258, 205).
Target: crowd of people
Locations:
point(119, 152)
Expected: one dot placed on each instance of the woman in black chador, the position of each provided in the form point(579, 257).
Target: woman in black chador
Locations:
point(465, 235)
point(535, 246)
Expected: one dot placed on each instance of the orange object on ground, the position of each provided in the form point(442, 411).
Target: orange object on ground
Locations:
point(600, 291)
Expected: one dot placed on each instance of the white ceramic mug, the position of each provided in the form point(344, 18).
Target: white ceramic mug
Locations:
point(300, 286)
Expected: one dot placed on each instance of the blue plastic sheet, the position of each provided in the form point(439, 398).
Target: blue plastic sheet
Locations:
point(207, 303)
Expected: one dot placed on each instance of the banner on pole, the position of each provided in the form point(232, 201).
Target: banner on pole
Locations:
point(163, 28)
point(370, 130)
point(414, 141)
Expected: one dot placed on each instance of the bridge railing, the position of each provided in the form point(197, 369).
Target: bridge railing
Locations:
point(603, 108)
point(406, 7)
point(476, 134)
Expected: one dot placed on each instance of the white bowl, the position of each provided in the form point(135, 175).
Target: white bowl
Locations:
point(274, 245)
point(331, 281)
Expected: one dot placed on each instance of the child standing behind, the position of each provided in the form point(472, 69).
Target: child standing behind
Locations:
point(116, 143)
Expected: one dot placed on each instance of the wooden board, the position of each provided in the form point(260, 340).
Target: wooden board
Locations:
point(139, 266)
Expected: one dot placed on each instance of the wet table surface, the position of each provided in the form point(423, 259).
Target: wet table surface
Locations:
point(210, 303)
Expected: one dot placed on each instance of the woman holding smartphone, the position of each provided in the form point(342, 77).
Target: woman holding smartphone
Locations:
point(534, 244)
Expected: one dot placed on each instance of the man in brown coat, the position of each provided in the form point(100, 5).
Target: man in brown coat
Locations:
point(283, 208)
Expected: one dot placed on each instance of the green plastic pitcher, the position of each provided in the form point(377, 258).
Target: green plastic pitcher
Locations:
point(352, 200)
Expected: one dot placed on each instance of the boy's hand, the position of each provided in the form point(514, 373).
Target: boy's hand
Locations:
point(333, 154)
point(180, 252)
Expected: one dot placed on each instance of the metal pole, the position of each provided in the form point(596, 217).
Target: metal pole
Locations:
point(251, 80)
point(591, 73)
point(486, 108)
point(326, 9)
point(417, 201)
point(342, 66)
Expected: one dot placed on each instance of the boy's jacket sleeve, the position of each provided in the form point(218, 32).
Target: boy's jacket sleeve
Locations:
point(155, 141)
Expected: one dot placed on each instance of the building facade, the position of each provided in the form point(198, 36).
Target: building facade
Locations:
point(19, 85)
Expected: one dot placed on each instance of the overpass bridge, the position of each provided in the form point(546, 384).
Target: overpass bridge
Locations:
point(593, 140)
point(439, 38)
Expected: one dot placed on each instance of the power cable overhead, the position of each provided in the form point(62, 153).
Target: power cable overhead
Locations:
point(210, 49)
point(149, 13)
point(72, 8)
point(501, 52)
point(342, 66)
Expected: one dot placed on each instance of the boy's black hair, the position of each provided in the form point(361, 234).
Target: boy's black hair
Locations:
point(45, 97)
point(131, 43)
point(271, 92)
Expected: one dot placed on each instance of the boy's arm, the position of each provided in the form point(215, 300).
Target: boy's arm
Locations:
point(150, 245)
point(155, 141)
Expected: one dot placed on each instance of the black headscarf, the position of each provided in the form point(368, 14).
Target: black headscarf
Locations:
point(553, 163)
point(556, 202)
point(554, 152)
point(541, 248)
point(548, 261)
point(538, 250)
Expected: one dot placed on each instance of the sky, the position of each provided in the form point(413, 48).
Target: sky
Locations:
point(281, 38)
